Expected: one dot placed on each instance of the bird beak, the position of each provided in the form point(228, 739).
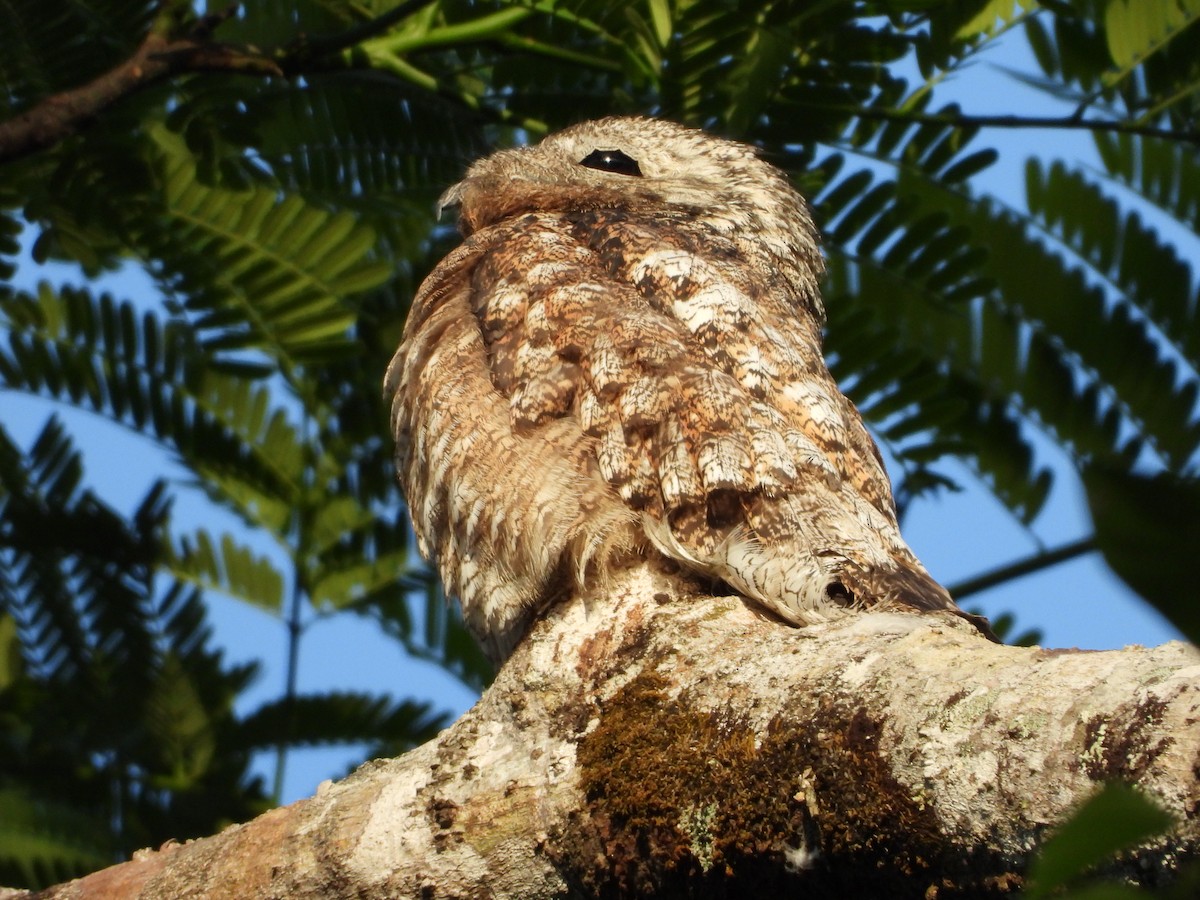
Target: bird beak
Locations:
point(452, 197)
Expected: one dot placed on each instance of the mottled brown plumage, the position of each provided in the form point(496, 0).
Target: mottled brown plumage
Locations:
point(624, 359)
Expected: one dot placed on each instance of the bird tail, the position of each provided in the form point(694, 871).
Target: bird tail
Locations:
point(907, 587)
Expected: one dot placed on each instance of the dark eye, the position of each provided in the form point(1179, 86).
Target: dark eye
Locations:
point(611, 161)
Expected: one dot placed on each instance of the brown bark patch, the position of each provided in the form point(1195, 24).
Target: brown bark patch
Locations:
point(1124, 746)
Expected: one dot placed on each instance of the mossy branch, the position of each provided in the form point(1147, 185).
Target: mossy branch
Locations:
point(657, 741)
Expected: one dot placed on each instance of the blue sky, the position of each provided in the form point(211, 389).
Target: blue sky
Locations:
point(1077, 604)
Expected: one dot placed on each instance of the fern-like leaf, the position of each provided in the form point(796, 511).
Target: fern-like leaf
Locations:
point(340, 718)
point(45, 842)
point(257, 271)
point(103, 355)
point(229, 567)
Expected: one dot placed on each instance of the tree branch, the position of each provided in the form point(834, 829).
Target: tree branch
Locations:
point(1027, 566)
point(1073, 123)
point(655, 740)
point(161, 57)
point(157, 58)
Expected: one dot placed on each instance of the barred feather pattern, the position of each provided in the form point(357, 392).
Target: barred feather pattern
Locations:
point(617, 365)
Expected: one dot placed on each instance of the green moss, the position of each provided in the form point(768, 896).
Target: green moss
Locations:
point(682, 802)
point(697, 824)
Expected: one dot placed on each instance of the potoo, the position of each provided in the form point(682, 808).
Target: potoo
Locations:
point(622, 360)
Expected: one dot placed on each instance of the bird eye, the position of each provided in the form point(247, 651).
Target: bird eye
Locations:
point(612, 161)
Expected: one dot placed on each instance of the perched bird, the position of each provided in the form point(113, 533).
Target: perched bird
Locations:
point(623, 360)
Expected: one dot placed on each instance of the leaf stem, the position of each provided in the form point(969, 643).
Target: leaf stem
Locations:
point(1041, 560)
point(295, 628)
point(305, 49)
point(483, 28)
point(1013, 121)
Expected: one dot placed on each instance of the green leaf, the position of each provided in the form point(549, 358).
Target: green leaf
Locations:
point(338, 518)
point(985, 21)
point(970, 165)
point(1117, 818)
point(10, 651)
point(1146, 527)
point(123, 714)
point(755, 77)
point(185, 733)
point(151, 377)
point(660, 15)
point(43, 842)
point(1136, 28)
point(46, 50)
point(339, 718)
point(338, 586)
point(922, 331)
point(229, 567)
point(259, 271)
point(1149, 273)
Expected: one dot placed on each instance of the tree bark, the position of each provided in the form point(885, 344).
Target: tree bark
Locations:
point(654, 740)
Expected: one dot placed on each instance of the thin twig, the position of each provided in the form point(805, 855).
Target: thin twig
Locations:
point(305, 49)
point(1010, 121)
point(1022, 567)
